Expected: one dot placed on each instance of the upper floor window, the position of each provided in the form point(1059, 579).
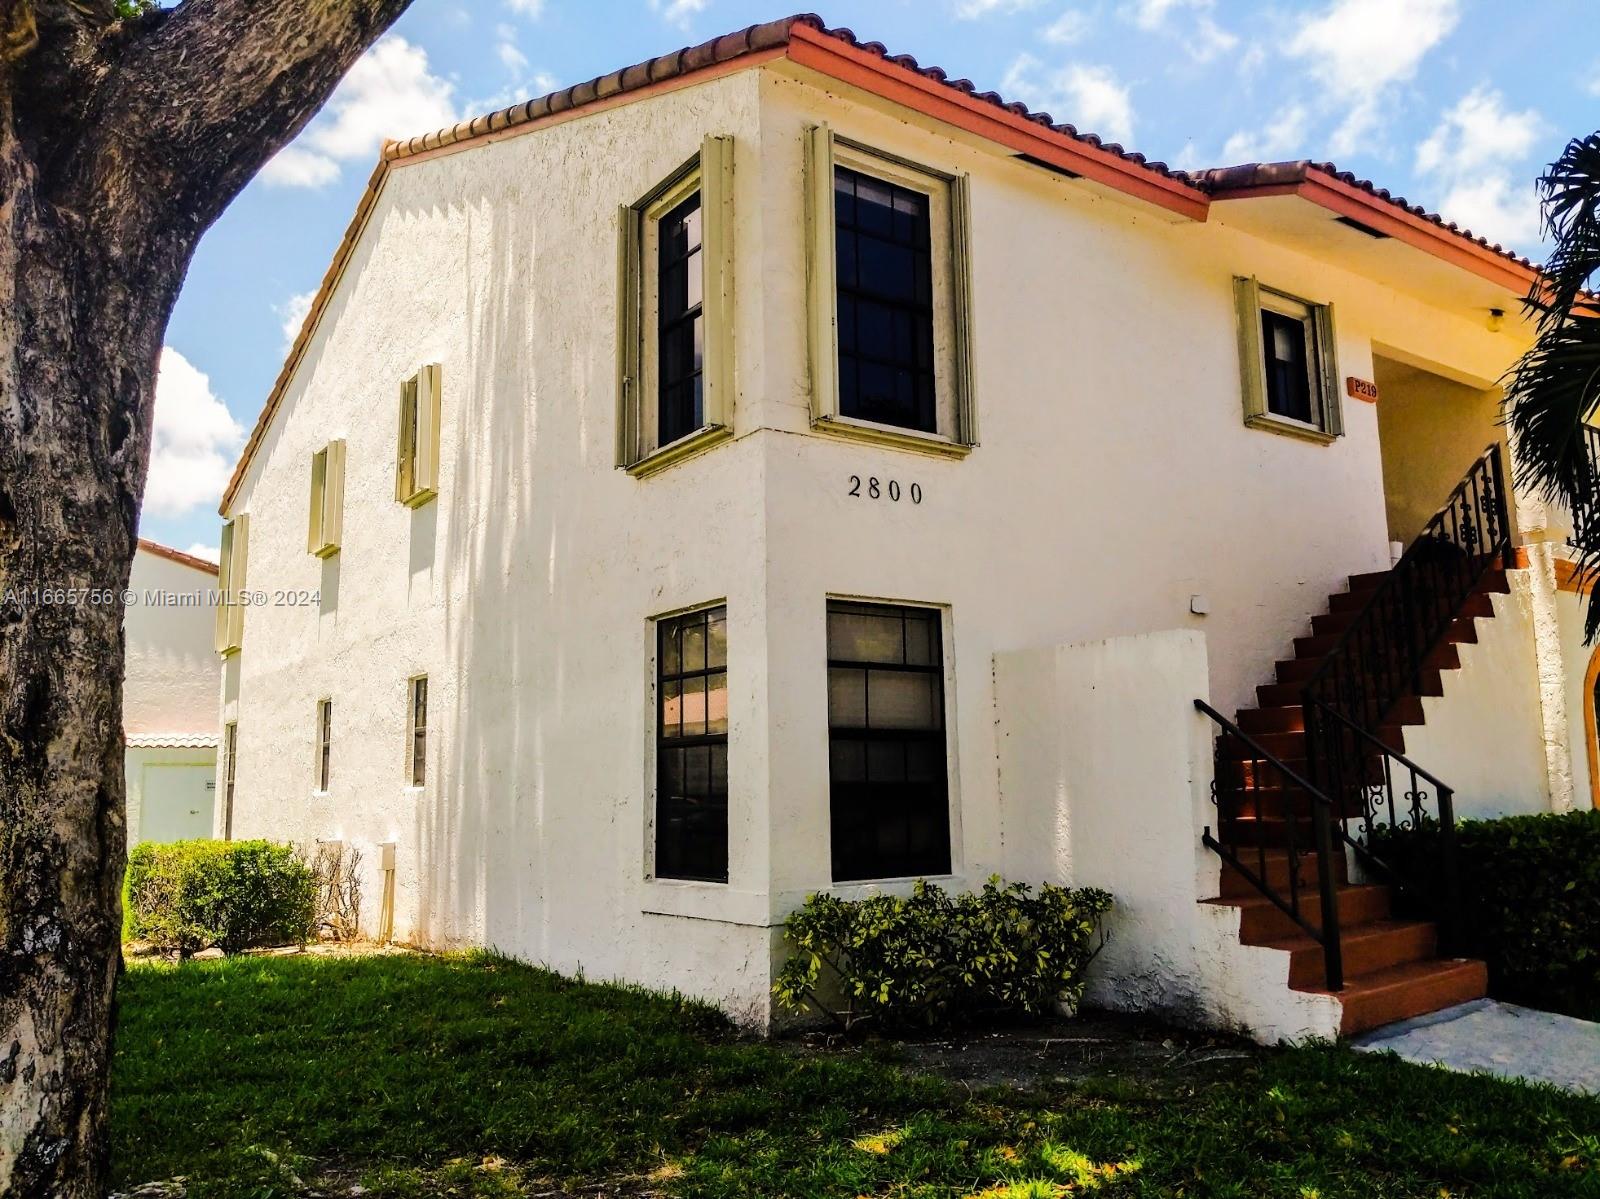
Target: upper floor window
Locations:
point(230, 752)
point(889, 794)
point(416, 467)
point(327, 500)
point(1286, 354)
point(691, 813)
point(675, 315)
point(890, 298)
point(234, 554)
point(417, 749)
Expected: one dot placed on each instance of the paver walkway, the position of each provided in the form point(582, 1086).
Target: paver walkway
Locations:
point(1500, 1038)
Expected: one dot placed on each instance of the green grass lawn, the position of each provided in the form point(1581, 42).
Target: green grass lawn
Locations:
point(472, 1075)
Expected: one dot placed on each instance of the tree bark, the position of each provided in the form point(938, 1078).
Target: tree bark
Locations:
point(120, 143)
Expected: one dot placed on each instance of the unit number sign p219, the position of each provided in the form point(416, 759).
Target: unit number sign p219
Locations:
point(871, 487)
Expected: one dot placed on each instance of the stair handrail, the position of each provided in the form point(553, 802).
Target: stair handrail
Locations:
point(1444, 906)
point(1474, 520)
point(1326, 934)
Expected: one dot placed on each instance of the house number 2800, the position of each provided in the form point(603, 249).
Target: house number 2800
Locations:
point(874, 488)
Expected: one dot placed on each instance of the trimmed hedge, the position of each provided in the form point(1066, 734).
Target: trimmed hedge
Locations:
point(1530, 902)
point(936, 960)
point(192, 895)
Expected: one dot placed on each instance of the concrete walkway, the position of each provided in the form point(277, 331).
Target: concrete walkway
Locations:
point(1499, 1038)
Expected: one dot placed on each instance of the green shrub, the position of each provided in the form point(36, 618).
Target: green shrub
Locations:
point(934, 959)
point(1530, 902)
point(191, 895)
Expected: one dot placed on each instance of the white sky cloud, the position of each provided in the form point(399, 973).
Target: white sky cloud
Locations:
point(1071, 26)
point(1090, 98)
point(510, 54)
point(970, 10)
point(1282, 137)
point(1359, 49)
point(195, 440)
point(292, 312)
point(532, 9)
point(390, 92)
point(1478, 153)
point(1203, 40)
point(678, 12)
point(211, 553)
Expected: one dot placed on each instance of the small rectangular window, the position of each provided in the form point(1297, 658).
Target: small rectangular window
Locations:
point(327, 500)
point(416, 470)
point(324, 741)
point(889, 794)
point(234, 555)
point(418, 750)
point(691, 823)
point(1286, 354)
point(230, 751)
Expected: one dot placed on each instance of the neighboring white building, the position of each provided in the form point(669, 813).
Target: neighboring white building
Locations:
point(169, 696)
point(810, 473)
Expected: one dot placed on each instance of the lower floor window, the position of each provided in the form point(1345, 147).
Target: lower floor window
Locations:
point(692, 746)
point(889, 794)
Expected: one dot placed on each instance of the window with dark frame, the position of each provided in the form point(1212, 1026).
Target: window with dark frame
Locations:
point(883, 242)
point(889, 794)
point(692, 746)
point(680, 354)
point(1286, 342)
point(419, 730)
point(230, 745)
point(324, 742)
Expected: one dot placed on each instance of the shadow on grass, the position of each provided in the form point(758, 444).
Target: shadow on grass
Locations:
point(475, 1075)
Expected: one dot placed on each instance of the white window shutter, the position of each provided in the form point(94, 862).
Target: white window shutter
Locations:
point(821, 268)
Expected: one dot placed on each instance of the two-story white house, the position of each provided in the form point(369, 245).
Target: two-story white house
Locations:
point(777, 466)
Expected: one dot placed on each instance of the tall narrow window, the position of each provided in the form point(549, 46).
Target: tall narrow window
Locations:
point(230, 751)
point(327, 500)
point(886, 740)
point(419, 730)
point(883, 243)
point(681, 337)
point(416, 465)
point(324, 742)
point(692, 746)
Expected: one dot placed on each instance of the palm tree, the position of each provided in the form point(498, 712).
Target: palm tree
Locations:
point(1556, 385)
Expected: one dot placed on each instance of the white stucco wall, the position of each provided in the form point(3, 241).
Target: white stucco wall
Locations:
point(1115, 480)
point(1101, 748)
point(1484, 737)
point(170, 684)
point(172, 792)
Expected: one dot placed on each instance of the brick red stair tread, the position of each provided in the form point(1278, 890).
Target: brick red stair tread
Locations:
point(1401, 992)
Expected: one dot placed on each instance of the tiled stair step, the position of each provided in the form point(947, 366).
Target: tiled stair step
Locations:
point(1272, 865)
point(1413, 989)
point(1291, 718)
point(1299, 670)
point(1364, 950)
point(1463, 629)
point(1493, 580)
point(1261, 921)
point(1293, 745)
point(1337, 621)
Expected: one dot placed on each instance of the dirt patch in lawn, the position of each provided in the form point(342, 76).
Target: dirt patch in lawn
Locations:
point(1092, 1046)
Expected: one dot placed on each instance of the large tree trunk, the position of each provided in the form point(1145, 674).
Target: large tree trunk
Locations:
point(120, 143)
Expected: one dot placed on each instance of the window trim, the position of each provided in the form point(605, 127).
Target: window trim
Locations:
point(710, 172)
point(947, 685)
point(411, 731)
point(416, 468)
point(233, 560)
point(322, 747)
point(655, 741)
point(327, 500)
point(1250, 297)
point(230, 750)
point(822, 152)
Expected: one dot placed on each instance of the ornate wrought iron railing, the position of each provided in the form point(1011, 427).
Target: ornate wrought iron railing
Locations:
point(1254, 792)
point(1586, 506)
point(1380, 659)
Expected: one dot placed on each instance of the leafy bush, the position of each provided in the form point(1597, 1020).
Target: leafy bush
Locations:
point(191, 895)
point(1530, 901)
point(935, 959)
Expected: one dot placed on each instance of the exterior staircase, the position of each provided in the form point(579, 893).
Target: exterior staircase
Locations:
point(1268, 836)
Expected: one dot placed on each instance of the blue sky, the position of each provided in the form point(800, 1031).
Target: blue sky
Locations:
point(1455, 104)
